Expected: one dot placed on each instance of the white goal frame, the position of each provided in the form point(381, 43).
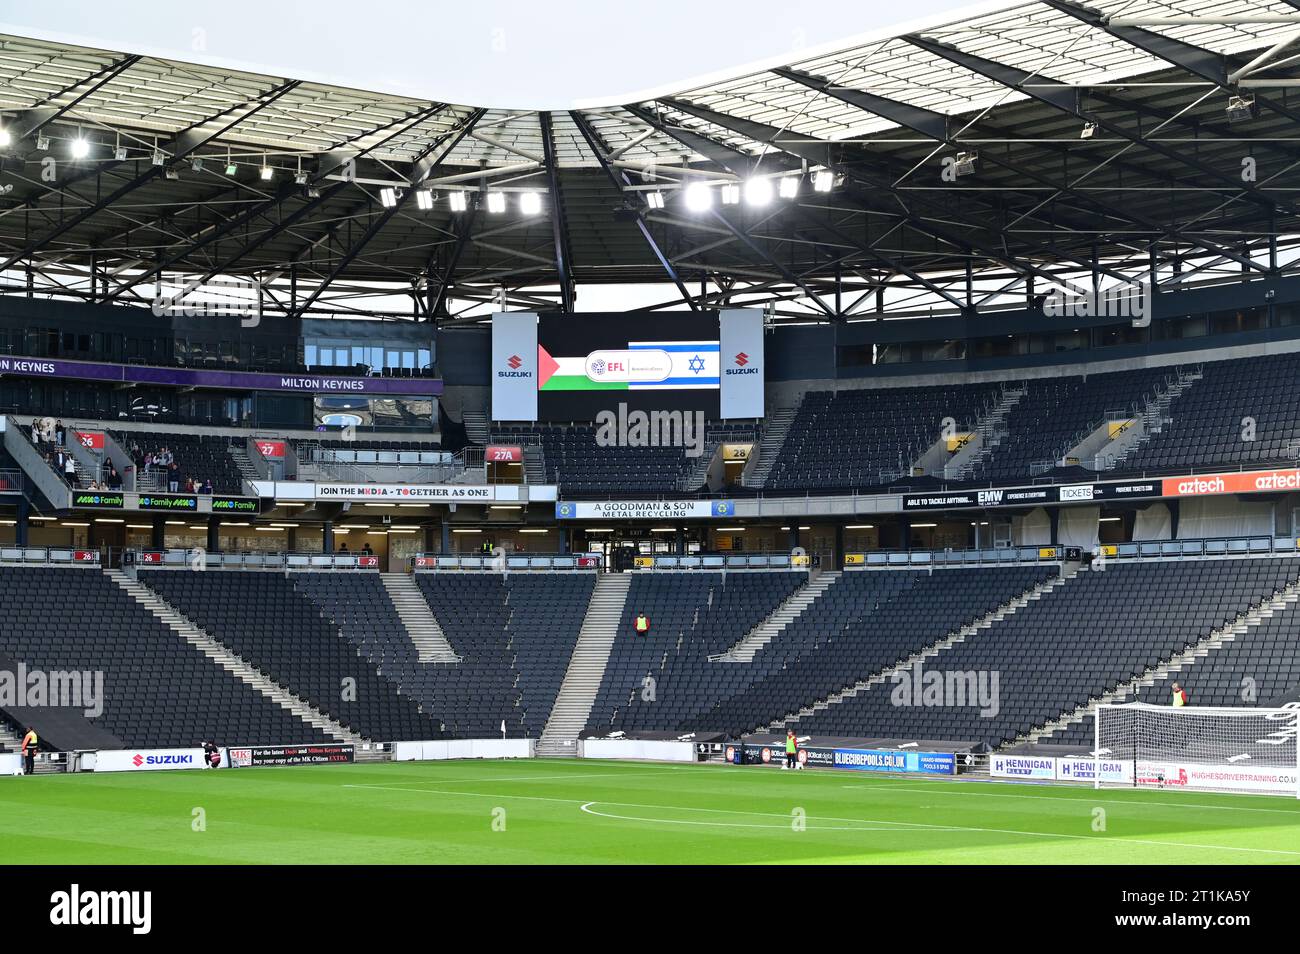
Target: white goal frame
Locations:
point(1128, 753)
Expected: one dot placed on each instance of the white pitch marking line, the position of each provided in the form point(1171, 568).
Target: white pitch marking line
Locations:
point(1070, 798)
point(541, 778)
point(915, 826)
point(682, 821)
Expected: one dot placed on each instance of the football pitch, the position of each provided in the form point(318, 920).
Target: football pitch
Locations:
point(593, 812)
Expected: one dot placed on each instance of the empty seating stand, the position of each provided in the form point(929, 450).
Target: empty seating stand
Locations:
point(1241, 412)
point(158, 690)
point(515, 635)
point(1095, 632)
point(265, 619)
point(693, 615)
point(846, 440)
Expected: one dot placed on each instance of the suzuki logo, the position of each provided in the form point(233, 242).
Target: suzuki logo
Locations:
point(515, 361)
point(742, 359)
point(137, 760)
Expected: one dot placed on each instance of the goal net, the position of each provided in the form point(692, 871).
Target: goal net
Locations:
point(1197, 748)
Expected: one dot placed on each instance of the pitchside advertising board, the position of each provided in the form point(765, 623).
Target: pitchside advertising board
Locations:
point(148, 760)
point(1066, 769)
point(325, 754)
point(557, 367)
point(858, 760)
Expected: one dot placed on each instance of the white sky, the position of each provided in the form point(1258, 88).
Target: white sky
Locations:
point(503, 53)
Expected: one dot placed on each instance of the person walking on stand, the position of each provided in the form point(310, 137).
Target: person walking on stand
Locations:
point(1179, 697)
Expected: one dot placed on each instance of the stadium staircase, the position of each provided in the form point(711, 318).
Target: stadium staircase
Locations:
point(952, 639)
point(1156, 413)
point(476, 427)
point(244, 464)
point(1283, 601)
point(534, 464)
point(775, 431)
point(790, 610)
point(229, 661)
point(586, 666)
point(10, 738)
point(696, 471)
point(421, 626)
point(992, 430)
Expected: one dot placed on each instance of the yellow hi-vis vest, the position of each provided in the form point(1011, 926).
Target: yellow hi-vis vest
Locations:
point(1180, 698)
point(642, 624)
point(30, 739)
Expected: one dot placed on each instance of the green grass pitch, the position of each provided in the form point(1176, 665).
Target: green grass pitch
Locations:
point(595, 812)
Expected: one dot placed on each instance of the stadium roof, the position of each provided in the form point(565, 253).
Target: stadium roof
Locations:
point(1094, 143)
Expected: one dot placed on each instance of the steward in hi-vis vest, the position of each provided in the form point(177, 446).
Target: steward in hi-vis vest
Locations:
point(642, 624)
point(1179, 697)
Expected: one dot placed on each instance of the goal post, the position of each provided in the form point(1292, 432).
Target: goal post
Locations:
point(1197, 748)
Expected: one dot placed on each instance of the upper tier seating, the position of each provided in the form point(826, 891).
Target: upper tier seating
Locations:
point(263, 618)
point(1056, 413)
point(845, 440)
point(158, 690)
point(1208, 420)
point(198, 456)
point(1089, 635)
point(580, 465)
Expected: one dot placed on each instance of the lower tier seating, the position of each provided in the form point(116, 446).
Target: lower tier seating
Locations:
point(1096, 631)
point(159, 691)
point(264, 618)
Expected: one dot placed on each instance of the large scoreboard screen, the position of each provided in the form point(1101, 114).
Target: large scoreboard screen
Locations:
point(591, 363)
point(558, 367)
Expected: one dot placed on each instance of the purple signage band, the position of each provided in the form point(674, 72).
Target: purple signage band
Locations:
point(232, 380)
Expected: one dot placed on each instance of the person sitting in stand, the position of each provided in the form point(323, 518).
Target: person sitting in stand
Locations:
point(642, 624)
point(206, 487)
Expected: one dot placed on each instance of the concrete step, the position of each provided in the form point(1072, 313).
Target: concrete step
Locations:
point(421, 625)
point(586, 667)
